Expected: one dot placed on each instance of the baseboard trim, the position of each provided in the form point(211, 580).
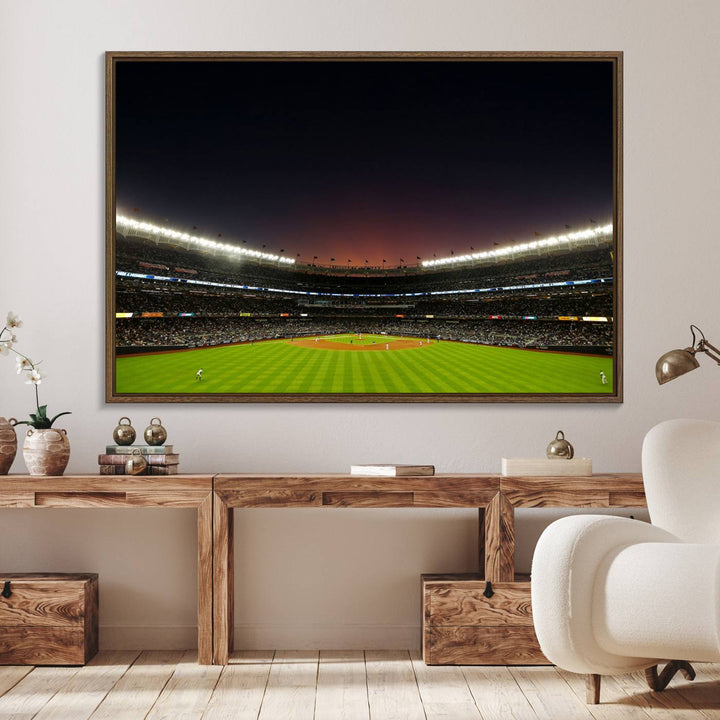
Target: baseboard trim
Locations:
point(148, 637)
point(266, 636)
point(327, 637)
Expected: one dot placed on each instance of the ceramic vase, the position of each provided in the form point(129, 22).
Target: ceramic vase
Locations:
point(46, 451)
point(8, 444)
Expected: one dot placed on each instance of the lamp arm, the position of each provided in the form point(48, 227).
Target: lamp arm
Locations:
point(710, 350)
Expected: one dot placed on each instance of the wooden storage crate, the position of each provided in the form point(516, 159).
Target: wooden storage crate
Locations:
point(48, 618)
point(461, 626)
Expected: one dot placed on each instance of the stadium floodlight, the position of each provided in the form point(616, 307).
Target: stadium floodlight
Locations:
point(554, 241)
point(138, 226)
point(678, 362)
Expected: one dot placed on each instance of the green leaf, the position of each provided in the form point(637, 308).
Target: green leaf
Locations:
point(40, 421)
point(67, 412)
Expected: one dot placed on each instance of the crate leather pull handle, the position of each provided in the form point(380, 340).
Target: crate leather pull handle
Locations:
point(6, 592)
point(488, 592)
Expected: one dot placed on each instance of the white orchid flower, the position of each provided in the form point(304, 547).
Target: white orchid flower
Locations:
point(29, 371)
point(35, 377)
point(13, 320)
point(23, 364)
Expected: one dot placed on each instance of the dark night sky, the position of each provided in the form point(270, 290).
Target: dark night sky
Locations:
point(365, 160)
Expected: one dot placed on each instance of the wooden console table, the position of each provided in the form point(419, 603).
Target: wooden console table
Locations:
point(495, 497)
point(126, 491)
point(215, 497)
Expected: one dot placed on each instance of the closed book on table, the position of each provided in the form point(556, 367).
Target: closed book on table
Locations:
point(167, 459)
point(149, 470)
point(392, 470)
point(112, 470)
point(144, 449)
point(162, 470)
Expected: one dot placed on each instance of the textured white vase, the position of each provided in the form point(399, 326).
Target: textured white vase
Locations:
point(46, 451)
point(8, 444)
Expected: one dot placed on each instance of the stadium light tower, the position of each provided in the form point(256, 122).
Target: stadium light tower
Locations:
point(589, 235)
point(678, 362)
point(149, 230)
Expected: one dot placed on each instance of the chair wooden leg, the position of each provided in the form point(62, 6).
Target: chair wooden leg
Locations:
point(660, 682)
point(592, 689)
point(657, 681)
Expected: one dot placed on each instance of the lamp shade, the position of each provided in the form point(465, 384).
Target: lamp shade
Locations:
point(675, 363)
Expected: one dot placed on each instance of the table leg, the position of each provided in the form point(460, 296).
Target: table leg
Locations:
point(223, 581)
point(481, 541)
point(205, 579)
point(499, 540)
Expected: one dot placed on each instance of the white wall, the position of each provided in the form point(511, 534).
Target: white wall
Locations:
point(320, 577)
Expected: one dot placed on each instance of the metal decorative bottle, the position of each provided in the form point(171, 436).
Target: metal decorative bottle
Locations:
point(136, 463)
point(155, 433)
point(560, 448)
point(124, 433)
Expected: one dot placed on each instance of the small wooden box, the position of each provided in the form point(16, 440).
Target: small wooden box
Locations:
point(48, 618)
point(461, 626)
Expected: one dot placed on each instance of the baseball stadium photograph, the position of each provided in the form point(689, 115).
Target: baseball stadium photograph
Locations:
point(368, 227)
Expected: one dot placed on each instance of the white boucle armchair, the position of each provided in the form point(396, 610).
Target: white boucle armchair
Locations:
point(613, 595)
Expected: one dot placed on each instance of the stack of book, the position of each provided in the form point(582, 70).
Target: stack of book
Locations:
point(392, 470)
point(160, 459)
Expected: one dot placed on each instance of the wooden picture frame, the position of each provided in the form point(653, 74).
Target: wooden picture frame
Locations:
point(364, 227)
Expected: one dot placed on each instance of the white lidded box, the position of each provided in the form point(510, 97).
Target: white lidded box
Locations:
point(557, 467)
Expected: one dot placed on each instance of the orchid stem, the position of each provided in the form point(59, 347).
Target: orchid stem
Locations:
point(25, 357)
point(30, 363)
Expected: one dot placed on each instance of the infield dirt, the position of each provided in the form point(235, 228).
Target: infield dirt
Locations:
point(322, 344)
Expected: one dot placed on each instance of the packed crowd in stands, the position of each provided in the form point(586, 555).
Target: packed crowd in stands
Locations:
point(146, 296)
point(198, 332)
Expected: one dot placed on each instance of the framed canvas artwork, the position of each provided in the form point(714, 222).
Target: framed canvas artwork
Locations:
point(364, 227)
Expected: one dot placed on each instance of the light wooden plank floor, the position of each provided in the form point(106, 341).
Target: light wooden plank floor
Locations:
point(344, 685)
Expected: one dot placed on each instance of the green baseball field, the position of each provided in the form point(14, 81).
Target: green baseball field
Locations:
point(361, 364)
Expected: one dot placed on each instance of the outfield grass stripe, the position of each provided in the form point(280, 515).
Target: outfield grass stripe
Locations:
point(322, 366)
point(436, 371)
point(358, 376)
point(378, 381)
point(394, 381)
point(402, 380)
point(507, 372)
point(311, 365)
point(471, 371)
point(325, 379)
point(418, 375)
point(456, 372)
point(288, 374)
point(347, 373)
